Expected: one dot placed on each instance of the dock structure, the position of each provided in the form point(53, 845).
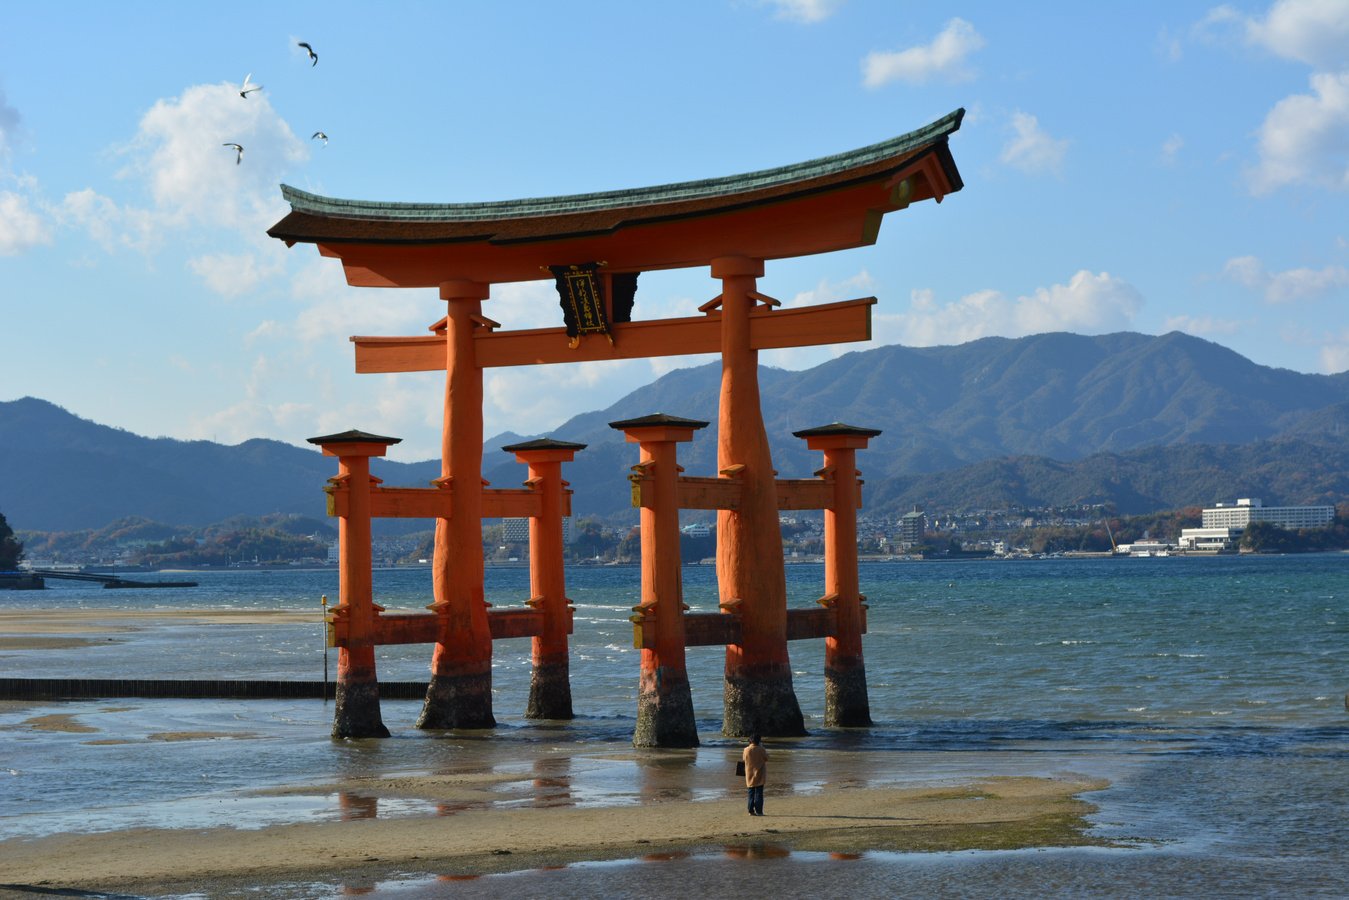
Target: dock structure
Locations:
point(594, 247)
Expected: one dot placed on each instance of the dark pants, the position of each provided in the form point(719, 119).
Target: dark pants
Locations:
point(754, 800)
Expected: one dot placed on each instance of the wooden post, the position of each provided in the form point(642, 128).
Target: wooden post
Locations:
point(356, 713)
point(664, 699)
point(550, 678)
point(845, 681)
point(759, 697)
point(460, 691)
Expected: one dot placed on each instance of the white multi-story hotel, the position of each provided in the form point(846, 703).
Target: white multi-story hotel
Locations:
point(1250, 509)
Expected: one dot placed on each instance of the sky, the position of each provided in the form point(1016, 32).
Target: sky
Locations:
point(1144, 166)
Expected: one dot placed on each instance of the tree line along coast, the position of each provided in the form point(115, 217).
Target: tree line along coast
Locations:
point(293, 540)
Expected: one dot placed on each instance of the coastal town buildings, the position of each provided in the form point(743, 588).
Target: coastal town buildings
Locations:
point(912, 528)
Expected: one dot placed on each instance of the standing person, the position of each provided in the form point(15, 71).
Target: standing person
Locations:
point(756, 765)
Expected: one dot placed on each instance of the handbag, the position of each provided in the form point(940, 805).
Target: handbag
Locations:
point(740, 768)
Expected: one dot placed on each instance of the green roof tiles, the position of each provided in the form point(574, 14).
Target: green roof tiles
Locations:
point(315, 205)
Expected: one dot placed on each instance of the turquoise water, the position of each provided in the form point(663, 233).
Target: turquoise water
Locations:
point(1210, 691)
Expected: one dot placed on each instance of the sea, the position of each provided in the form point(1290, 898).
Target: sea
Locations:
point(1210, 692)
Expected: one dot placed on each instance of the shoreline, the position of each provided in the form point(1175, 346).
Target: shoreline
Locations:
point(461, 841)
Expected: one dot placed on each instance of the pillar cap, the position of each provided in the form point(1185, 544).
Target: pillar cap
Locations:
point(354, 443)
point(658, 428)
point(543, 444)
point(352, 436)
point(657, 420)
point(837, 429)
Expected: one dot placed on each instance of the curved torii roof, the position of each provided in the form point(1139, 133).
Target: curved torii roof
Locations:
point(832, 203)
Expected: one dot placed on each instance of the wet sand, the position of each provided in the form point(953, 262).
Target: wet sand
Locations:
point(111, 621)
point(473, 822)
point(464, 840)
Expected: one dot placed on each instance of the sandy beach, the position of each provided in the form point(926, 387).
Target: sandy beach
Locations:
point(470, 835)
point(466, 823)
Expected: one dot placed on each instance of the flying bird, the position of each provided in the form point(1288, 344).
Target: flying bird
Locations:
point(239, 149)
point(313, 57)
point(319, 136)
point(248, 86)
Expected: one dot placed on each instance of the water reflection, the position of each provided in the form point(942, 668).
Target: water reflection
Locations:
point(552, 782)
point(455, 806)
point(757, 850)
point(356, 890)
point(356, 806)
point(666, 775)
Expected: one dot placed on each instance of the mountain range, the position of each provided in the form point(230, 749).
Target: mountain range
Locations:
point(1143, 422)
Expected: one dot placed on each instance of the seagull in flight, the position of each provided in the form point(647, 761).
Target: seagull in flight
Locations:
point(319, 136)
point(239, 149)
point(248, 86)
point(313, 57)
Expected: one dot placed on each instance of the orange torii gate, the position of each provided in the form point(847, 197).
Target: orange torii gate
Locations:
point(731, 224)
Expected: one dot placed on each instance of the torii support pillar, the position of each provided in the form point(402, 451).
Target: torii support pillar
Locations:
point(460, 692)
point(759, 697)
point(664, 699)
point(845, 678)
point(356, 714)
point(550, 679)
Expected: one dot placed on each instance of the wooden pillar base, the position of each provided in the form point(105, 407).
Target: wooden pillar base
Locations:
point(550, 691)
point(845, 696)
point(665, 711)
point(458, 701)
point(763, 703)
point(357, 711)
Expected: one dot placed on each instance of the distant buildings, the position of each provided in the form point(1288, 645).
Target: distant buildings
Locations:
point(912, 529)
point(1224, 523)
point(1248, 510)
point(516, 531)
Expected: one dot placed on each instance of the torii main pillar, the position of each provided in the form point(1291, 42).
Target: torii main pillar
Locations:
point(759, 697)
point(460, 692)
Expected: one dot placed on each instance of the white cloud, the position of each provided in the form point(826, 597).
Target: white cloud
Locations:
point(1305, 138)
point(1287, 286)
point(1087, 304)
point(1031, 149)
point(1203, 326)
point(944, 58)
point(807, 12)
point(234, 274)
point(1171, 148)
point(191, 177)
point(1335, 354)
point(535, 399)
point(851, 288)
point(1168, 46)
point(112, 226)
point(1315, 32)
point(21, 227)
point(9, 125)
point(365, 312)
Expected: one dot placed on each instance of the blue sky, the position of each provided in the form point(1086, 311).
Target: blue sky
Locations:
point(1147, 166)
